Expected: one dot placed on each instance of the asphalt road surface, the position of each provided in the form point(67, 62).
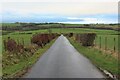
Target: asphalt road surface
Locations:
point(62, 60)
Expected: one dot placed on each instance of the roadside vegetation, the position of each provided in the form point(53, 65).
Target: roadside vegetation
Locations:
point(18, 65)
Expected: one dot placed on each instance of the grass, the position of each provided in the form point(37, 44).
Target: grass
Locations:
point(102, 60)
point(12, 70)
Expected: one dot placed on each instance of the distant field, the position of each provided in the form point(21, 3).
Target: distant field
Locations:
point(83, 30)
point(68, 30)
point(10, 24)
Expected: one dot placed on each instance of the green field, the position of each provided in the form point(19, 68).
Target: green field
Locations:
point(20, 36)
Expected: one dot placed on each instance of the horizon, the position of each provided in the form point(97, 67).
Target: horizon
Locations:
point(69, 12)
point(52, 23)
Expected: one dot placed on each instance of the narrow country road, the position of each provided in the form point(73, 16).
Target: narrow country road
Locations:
point(62, 60)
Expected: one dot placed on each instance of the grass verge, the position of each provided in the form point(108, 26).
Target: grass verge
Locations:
point(15, 70)
point(101, 60)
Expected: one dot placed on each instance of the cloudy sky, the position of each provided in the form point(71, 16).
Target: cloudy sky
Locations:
point(64, 11)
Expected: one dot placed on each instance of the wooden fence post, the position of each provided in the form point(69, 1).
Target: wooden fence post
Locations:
point(105, 43)
point(95, 41)
point(114, 45)
point(100, 42)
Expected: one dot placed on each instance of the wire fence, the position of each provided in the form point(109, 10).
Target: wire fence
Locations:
point(107, 43)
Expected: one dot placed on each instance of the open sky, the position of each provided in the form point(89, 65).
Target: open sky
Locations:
point(64, 11)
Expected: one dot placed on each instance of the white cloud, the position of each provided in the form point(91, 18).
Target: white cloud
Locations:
point(74, 18)
point(91, 19)
point(85, 19)
point(68, 22)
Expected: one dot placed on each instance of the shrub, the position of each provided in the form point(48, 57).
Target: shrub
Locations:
point(10, 45)
point(42, 39)
point(86, 39)
point(36, 39)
